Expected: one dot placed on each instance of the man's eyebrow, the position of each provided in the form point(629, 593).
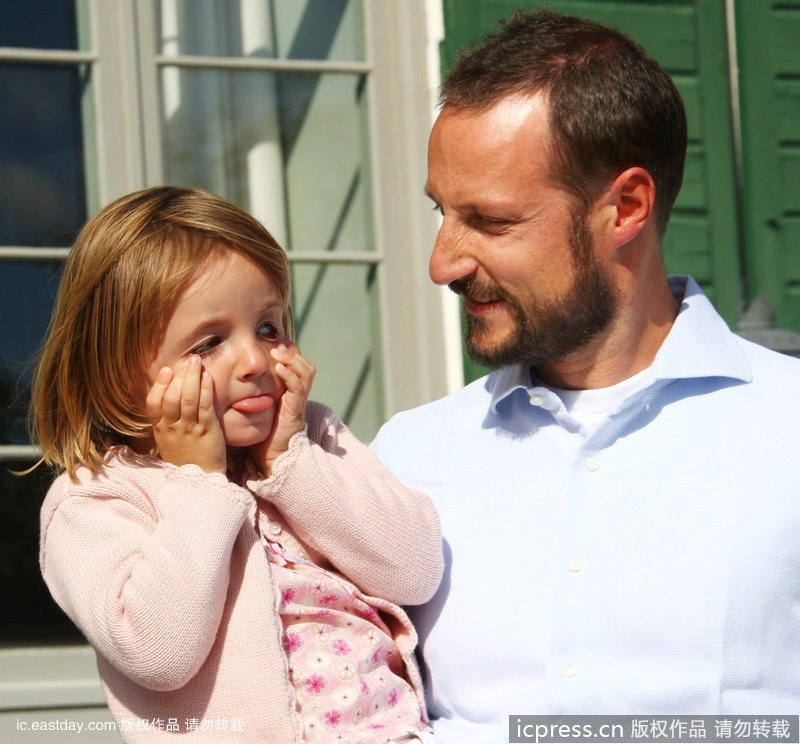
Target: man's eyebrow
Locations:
point(427, 191)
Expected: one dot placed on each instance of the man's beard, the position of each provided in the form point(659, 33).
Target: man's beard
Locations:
point(545, 332)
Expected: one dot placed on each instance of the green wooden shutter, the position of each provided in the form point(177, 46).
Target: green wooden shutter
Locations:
point(768, 42)
point(688, 37)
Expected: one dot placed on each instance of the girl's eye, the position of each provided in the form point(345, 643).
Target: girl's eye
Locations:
point(206, 346)
point(269, 331)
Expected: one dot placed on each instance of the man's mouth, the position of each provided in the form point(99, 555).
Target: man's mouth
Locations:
point(476, 306)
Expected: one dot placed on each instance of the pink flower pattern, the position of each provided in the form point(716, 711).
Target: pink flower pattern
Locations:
point(292, 642)
point(333, 718)
point(315, 684)
point(352, 689)
point(341, 647)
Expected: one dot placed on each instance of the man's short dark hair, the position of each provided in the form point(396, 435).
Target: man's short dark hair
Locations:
point(612, 106)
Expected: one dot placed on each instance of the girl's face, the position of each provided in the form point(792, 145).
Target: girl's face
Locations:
point(231, 316)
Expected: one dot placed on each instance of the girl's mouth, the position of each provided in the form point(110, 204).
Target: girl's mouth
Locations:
point(253, 404)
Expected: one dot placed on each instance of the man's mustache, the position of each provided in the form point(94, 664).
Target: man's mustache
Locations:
point(478, 290)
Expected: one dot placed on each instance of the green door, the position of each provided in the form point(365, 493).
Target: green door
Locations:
point(688, 37)
point(768, 40)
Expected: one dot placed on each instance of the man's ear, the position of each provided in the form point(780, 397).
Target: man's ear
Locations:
point(629, 204)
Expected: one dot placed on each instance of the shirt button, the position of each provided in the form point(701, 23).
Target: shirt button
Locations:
point(570, 670)
point(575, 565)
point(536, 400)
point(274, 529)
point(592, 464)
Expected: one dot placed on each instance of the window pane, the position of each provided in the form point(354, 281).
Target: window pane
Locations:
point(27, 289)
point(336, 314)
point(286, 29)
point(30, 616)
point(41, 24)
point(42, 153)
point(290, 148)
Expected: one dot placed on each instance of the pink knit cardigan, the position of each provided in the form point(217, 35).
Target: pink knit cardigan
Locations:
point(162, 570)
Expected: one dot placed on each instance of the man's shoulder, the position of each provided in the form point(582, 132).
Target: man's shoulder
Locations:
point(476, 396)
point(415, 444)
point(769, 364)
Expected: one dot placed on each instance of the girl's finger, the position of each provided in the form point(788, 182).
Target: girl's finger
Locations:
point(171, 403)
point(205, 408)
point(155, 396)
point(292, 359)
point(190, 392)
point(294, 382)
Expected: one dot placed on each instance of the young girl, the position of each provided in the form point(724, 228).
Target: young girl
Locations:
point(233, 554)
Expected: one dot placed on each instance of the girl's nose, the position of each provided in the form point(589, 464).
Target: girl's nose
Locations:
point(254, 359)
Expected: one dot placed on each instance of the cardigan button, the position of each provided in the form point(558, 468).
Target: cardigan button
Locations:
point(274, 529)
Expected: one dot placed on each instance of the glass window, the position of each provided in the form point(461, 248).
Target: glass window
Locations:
point(289, 141)
point(291, 148)
point(29, 616)
point(277, 105)
point(39, 24)
point(43, 148)
point(27, 290)
point(47, 190)
point(285, 29)
point(336, 312)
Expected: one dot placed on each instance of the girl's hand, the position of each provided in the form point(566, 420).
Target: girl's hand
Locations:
point(297, 374)
point(180, 406)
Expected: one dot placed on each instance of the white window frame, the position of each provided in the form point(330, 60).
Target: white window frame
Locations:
point(401, 83)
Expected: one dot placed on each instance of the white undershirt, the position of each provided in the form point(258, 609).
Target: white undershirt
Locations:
point(590, 407)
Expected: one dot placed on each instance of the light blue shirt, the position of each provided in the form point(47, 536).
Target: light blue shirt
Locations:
point(649, 567)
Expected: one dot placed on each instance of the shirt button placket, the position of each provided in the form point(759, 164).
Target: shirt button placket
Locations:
point(575, 565)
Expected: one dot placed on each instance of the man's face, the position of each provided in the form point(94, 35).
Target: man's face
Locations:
point(512, 241)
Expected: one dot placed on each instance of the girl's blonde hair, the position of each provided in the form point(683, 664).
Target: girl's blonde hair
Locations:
point(127, 268)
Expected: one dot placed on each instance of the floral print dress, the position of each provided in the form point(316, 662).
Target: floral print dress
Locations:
point(344, 665)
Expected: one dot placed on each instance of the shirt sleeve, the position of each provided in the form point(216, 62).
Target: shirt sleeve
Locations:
point(339, 499)
point(144, 575)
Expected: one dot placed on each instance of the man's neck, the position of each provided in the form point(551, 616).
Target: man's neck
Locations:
point(630, 344)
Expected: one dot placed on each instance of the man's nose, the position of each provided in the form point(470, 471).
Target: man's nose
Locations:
point(452, 257)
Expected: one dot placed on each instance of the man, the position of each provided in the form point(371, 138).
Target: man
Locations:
point(621, 498)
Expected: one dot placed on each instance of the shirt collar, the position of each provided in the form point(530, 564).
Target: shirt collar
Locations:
point(699, 344)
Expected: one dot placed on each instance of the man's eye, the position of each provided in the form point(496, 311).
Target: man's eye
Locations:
point(489, 221)
point(206, 346)
point(438, 208)
point(269, 331)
